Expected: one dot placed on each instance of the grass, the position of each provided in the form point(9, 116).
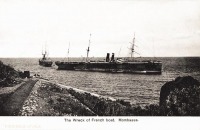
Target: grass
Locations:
point(59, 101)
point(13, 102)
point(55, 101)
point(107, 107)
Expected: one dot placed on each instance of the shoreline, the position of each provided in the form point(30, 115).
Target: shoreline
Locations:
point(46, 98)
point(36, 96)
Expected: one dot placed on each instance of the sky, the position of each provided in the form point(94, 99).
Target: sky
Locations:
point(162, 28)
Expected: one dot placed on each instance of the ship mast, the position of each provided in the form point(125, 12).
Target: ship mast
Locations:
point(88, 49)
point(132, 47)
point(44, 53)
point(68, 52)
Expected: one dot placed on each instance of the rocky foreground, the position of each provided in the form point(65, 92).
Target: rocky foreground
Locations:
point(39, 97)
point(180, 97)
point(8, 76)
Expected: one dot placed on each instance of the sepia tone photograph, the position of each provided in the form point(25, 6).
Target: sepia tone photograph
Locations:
point(96, 58)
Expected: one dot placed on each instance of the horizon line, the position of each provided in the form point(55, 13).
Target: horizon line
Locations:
point(103, 57)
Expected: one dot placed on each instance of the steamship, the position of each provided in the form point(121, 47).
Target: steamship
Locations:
point(46, 62)
point(113, 65)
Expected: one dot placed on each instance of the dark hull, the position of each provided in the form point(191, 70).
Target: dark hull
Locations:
point(68, 65)
point(45, 63)
point(141, 67)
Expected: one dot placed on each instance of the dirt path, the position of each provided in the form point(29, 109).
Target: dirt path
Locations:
point(14, 102)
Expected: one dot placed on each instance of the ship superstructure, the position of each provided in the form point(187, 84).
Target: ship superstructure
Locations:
point(46, 62)
point(113, 65)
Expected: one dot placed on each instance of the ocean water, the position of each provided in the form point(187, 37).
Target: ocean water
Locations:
point(138, 89)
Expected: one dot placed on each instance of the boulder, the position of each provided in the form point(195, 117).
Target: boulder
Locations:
point(180, 97)
point(25, 74)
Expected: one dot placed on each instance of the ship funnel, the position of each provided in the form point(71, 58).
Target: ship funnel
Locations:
point(108, 57)
point(113, 57)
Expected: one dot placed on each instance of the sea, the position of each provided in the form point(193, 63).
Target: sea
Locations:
point(138, 89)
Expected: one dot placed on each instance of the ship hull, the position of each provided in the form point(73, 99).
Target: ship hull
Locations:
point(113, 67)
point(67, 65)
point(45, 63)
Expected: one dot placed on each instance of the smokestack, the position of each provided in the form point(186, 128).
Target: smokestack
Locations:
point(113, 57)
point(108, 57)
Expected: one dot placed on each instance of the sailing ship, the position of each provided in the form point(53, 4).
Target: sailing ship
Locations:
point(113, 65)
point(46, 62)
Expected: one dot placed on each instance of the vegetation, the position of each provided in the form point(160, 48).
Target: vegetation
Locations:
point(106, 107)
point(8, 75)
point(183, 99)
point(8, 79)
point(67, 101)
point(14, 101)
point(177, 98)
point(55, 101)
point(3, 98)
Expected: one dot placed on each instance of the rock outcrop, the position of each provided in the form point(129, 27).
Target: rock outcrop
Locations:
point(180, 97)
point(7, 75)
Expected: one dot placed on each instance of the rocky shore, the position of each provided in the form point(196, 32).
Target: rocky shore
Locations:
point(8, 76)
point(180, 97)
point(35, 96)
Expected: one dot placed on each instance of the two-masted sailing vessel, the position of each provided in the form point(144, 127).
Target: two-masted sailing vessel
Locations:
point(113, 65)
